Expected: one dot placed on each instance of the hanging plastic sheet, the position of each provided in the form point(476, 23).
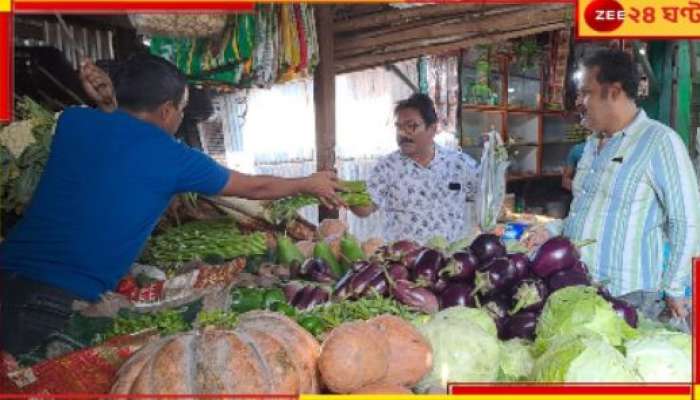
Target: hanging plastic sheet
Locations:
point(494, 163)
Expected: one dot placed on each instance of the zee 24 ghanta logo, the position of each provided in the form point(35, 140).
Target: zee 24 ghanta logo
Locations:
point(609, 15)
point(604, 15)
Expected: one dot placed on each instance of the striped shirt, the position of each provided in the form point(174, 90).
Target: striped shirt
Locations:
point(637, 192)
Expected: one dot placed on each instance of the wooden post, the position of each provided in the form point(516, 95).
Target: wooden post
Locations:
point(324, 98)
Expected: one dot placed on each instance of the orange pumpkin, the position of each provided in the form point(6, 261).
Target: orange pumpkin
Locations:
point(266, 353)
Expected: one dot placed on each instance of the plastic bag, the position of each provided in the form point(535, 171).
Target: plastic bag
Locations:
point(492, 188)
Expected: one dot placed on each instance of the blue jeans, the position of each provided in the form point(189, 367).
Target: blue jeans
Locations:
point(30, 312)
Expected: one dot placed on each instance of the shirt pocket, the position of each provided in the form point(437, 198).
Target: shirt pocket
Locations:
point(451, 186)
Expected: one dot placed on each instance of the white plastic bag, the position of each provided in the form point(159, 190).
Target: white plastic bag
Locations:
point(492, 186)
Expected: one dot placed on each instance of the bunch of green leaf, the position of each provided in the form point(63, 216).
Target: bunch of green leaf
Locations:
point(579, 311)
point(527, 53)
point(661, 356)
point(516, 361)
point(284, 210)
point(165, 322)
point(24, 151)
point(583, 359)
point(334, 314)
point(465, 347)
point(214, 239)
point(217, 318)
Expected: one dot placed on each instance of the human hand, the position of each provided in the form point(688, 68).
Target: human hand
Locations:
point(678, 306)
point(97, 85)
point(534, 237)
point(324, 185)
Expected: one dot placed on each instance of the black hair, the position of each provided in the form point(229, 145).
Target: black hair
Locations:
point(615, 66)
point(421, 102)
point(144, 82)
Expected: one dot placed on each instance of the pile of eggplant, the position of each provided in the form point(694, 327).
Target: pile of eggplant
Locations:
point(512, 288)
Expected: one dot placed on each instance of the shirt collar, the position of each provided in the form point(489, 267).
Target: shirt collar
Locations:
point(632, 127)
point(440, 156)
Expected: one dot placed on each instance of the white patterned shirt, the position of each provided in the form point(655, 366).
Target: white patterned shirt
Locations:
point(422, 202)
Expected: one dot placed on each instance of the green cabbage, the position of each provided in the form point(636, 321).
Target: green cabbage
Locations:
point(583, 359)
point(580, 311)
point(662, 356)
point(516, 360)
point(465, 347)
point(475, 315)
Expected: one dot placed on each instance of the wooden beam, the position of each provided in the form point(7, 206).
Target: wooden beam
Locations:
point(369, 61)
point(514, 25)
point(514, 18)
point(424, 27)
point(389, 17)
point(324, 98)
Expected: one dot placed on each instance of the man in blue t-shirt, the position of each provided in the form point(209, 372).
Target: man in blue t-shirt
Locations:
point(572, 159)
point(110, 175)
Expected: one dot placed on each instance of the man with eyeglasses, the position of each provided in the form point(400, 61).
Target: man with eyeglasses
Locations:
point(423, 188)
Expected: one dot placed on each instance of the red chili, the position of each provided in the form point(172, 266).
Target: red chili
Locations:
point(127, 286)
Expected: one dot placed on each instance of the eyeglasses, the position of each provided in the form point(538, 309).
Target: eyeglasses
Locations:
point(408, 127)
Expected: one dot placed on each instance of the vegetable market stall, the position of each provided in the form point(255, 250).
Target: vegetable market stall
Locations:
point(252, 284)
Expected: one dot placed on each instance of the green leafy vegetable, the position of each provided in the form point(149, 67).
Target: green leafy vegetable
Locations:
point(516, 360)
point(217, 318)
point(662, 356)
point(465, 347)
point(212, 239)
point(580, 311)
point(583, 359)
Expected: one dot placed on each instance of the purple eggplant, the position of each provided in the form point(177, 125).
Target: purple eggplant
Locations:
point(378, 286)
point(409, 259)
point(499, 275)
point(581, 267)
point(529, 295)
point(397, 251)
point(461, 267)
point(440, 285)
point(521, 325)
point(359, 266)
point(497, 305)
point(427, 265)
point(604, 293)
point(397, 271)
point(567, 277)
point(556, 254)
point(486, 247)
point(318, 296)
point(291, 289)
point(457, 294)
point(417, 298)
point(521, 264)
point(303, 298)
point(342, 287)
point(625, 311)
point(362, 279)
point(317, 270)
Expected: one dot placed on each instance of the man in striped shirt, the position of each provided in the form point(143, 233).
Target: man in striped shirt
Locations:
point(635, 189)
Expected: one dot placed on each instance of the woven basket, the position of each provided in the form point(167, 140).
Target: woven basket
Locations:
point(179, 25)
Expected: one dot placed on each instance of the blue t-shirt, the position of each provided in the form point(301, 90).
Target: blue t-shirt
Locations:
point(108, 179)
point(575, 155)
